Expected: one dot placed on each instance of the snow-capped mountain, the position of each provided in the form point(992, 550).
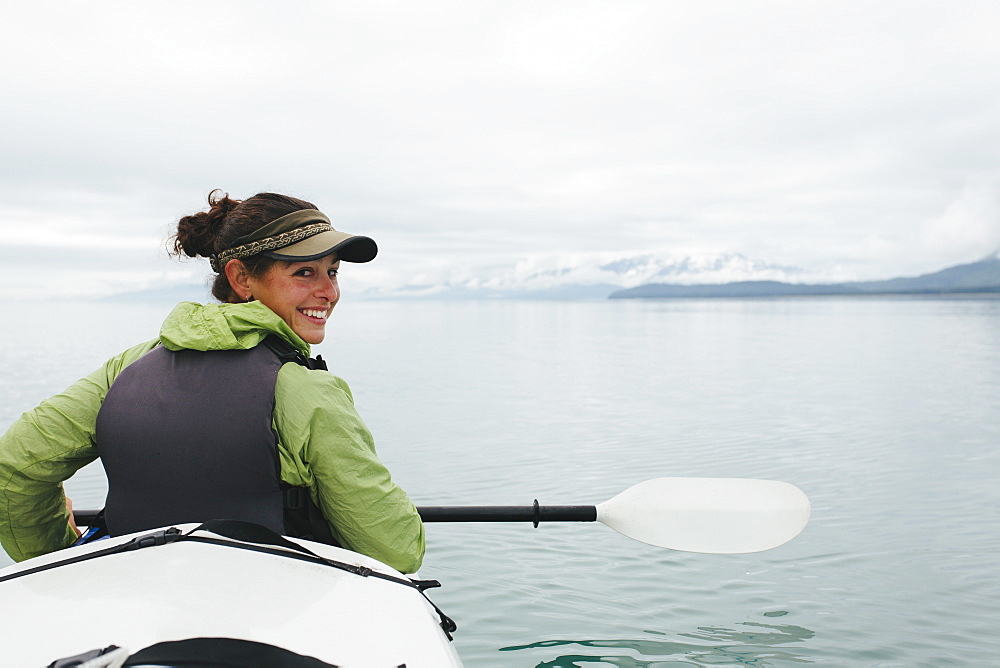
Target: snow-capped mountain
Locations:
point(590, 276)
point(974, 278)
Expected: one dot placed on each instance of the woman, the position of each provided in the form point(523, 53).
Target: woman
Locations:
point(222, 416)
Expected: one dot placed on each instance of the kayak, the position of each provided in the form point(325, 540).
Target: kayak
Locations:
point(241, 596)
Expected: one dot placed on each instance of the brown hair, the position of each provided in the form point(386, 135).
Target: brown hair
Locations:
point(206, 233)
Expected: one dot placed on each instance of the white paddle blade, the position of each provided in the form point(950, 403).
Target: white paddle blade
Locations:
point(710, 515)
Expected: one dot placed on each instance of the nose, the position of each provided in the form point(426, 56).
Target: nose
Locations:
point(327, 288)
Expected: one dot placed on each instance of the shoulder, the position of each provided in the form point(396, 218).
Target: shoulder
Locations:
point(114, 366)
point(132, 354)
point(316, 408)
point(311, 387)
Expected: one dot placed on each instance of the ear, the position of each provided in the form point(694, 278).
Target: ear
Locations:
point(239, 279)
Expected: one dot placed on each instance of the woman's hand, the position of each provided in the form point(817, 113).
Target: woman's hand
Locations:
point(72, 520)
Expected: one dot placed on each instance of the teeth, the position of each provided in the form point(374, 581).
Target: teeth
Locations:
point(313, 313)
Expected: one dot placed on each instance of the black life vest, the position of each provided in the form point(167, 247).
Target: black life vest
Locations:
point(186, 436)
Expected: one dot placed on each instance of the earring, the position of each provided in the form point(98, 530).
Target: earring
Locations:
point(249, 297)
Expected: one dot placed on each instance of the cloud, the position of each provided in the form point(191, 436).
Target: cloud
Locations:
point(970, 225)
point(830, 136)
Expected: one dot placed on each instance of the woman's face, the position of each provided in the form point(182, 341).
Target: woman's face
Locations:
point(302, 293)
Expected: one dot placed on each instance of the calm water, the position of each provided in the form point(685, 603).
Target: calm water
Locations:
point(886, 412)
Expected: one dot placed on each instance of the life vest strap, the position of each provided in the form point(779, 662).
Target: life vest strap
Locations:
point(286, 352)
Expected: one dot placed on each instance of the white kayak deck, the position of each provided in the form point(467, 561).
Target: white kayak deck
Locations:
point(188, 589)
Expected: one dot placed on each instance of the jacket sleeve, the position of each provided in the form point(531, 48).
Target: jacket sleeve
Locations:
point(323, 444)
point(43, 448)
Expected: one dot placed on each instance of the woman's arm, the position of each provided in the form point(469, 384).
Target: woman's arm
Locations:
point(44, 447)
point(324, 444)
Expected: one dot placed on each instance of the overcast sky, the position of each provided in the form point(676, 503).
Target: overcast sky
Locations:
point(849, 139)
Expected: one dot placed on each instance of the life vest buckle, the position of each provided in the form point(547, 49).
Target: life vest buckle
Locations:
point(161, 537)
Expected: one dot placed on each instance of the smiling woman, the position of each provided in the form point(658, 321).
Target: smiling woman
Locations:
point(224, 415)
point(277, 249)
point(302, 293)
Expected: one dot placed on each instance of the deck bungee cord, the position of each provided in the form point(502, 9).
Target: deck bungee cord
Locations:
point(241, 535)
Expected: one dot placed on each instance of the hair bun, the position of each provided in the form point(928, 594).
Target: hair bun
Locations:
point(198, 233)
point(207, 233)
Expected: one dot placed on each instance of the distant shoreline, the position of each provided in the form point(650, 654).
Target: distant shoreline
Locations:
point(968, 294)
point(976, 279)
point(990, 293)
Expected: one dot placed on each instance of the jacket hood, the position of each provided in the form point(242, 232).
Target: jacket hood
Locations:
point(194, 326)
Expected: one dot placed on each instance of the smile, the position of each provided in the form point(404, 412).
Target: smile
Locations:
point(318, 314)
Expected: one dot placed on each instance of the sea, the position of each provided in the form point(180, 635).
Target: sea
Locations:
point(884, 411)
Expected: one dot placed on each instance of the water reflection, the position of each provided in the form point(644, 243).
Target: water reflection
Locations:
point(753, 644)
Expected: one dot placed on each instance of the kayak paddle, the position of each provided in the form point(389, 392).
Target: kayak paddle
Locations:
point(708, 515)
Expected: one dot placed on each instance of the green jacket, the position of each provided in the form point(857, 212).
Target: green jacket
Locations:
point(322, 444)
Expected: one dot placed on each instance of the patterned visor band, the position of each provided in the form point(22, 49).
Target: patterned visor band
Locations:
point(280, 240)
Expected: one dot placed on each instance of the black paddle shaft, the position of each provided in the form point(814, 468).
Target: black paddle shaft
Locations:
point(534, 514)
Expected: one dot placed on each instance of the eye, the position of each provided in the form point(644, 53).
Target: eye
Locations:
point(333, 273)
point(304, 271)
